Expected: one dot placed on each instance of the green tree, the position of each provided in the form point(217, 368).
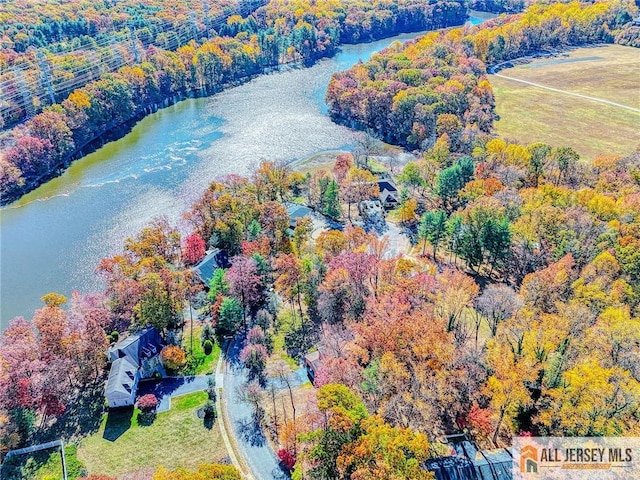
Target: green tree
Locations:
point(331, 201)
point(344, 412)
point(254, 229)
point(432, 228)
point(495, 238)
point(218, 284)
point(230, 315)
point(451, 180)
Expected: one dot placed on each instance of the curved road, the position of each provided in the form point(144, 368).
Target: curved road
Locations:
point(247, 439)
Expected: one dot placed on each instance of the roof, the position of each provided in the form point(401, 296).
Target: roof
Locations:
point(137, 346)
point(127, 357)
point(385, 185)
point(216, 258)
point(313, 360)
point(122, 379)
point(472, 464)
point(388, 197)
point(370, 206)
point(298, 211)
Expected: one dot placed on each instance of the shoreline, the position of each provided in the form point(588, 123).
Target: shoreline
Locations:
point(119, 131)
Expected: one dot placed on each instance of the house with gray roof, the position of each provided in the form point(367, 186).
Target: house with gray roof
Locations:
point(215, 258)
point(388, 193)
point(133, 358)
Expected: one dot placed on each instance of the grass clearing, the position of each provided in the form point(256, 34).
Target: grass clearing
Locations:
point(529, 114)
point(284, 324)
point(44, 465)
point(211, 360)
point(176, 438)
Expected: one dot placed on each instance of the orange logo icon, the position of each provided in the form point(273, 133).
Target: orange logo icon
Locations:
point(529, 459)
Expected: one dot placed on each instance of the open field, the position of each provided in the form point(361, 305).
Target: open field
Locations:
point(530, 113)
point(176, 438)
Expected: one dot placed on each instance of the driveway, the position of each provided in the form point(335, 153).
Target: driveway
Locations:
point(250, 437)
point(398, 242)
point(166, 388)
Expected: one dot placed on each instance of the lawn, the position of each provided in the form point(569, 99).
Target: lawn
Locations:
point(528, 113)
point(284, 324)
point(44, 465)
point(211, 360)
point(176, 438)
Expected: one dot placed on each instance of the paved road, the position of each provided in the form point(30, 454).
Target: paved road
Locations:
point(250, 438)
point(166, 388)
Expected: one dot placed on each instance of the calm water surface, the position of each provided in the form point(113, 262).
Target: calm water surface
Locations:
point(53, 238)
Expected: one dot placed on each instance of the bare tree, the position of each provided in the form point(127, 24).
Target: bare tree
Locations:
point(281, 371)
point(496, 304)
point(366, 146)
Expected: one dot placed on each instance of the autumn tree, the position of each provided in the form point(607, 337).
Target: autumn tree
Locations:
point(245, 284)
point(384, 452)
point(497, 303)
point(194, 249)
point(173, 357)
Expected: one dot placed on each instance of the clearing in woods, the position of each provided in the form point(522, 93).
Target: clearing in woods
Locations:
point(558, 115)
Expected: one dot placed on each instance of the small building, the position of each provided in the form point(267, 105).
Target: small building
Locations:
point(311, 362)
point(215, 258)
point(297, 211)
point(389, 196)
point(470, 463)
point(132, 359)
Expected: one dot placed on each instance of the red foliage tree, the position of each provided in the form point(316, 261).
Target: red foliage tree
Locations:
point(147, 403)
point(244, 283)
point(194, 249)
point(287, 458)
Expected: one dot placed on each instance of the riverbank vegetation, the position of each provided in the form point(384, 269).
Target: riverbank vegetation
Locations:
point(154, 75)
point(436, 88)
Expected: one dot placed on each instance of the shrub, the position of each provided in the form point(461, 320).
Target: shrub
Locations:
point(207, 347)
point(173, 357)
point(193, 362)
point(114, 336)
point(211, 389)
point(287, 458)
point(147, 403)
point(208, 333)
point(209, 409)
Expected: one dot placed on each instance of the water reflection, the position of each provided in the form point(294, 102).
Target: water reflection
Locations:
point(52, 239)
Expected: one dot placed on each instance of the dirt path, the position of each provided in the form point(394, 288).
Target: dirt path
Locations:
point(579, 95)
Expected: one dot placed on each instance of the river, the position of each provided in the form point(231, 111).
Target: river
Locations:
point(53, 238)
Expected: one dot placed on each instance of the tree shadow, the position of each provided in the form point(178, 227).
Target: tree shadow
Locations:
point(145, 419)
point(251, 432)
point(82, 417)
point(209, 422)
point(118, 422)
